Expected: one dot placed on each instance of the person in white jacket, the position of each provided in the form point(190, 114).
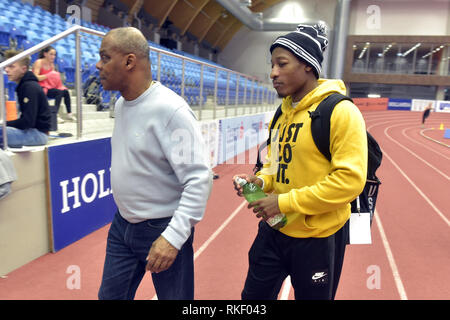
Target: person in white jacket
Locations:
point(160, 175)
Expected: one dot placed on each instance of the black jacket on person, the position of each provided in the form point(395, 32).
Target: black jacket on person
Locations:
point(35, 112)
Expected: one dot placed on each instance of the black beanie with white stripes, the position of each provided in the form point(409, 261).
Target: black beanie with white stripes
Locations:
point(307, 43)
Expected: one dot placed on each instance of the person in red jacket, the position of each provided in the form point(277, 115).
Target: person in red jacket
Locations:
point(50, 80)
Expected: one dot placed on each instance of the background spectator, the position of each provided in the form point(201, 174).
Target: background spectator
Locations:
point(32, 127)
point(50, 80)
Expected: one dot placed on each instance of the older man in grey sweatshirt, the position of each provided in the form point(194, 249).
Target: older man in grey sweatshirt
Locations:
point(160, 176)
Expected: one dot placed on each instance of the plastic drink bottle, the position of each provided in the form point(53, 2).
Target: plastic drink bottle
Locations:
point(253, 192)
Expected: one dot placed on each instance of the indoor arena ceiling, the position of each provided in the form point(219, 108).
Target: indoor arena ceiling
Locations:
point(206, 19)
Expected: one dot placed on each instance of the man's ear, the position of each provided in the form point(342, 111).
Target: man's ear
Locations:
point(130, 61)
point(24, 68)
point(308, 68)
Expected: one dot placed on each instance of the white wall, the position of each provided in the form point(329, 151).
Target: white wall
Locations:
point(400, 17)
point(248, 51)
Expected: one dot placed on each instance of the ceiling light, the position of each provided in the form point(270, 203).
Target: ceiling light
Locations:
point(247, 3)
point(412, 49)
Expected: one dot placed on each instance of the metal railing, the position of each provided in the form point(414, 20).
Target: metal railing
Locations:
point(77, 29)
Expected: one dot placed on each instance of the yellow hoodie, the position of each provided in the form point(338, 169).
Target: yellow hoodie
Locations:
point(315, 194)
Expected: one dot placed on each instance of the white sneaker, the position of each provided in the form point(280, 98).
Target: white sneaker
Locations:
point(71, 117)
point(60, 120)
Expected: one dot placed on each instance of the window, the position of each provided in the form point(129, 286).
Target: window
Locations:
point(401, 58)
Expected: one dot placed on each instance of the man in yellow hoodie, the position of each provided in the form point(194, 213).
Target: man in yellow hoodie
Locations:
point(312, 192)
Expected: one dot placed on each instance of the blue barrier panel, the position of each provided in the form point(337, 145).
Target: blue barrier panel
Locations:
point(399, 104)
point(443, 106)
point(81, 195)
point(447, 134)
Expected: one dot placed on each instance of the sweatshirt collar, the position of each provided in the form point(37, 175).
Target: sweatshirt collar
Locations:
point(28, 76)
point(143, 96)
point(325, 88)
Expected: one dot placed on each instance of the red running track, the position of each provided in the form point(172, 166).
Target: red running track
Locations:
point(408, 259)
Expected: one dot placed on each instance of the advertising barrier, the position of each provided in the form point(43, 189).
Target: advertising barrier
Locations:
point(421, 104)
point(210, 133)
point(442, 106)
point(371, 104)
point(79, 174)
point(80, 191)
point(238, 135)
point(399, 104)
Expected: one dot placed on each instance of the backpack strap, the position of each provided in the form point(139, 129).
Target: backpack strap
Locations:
point(259, 164)
point(320, 122)
point(374, 157)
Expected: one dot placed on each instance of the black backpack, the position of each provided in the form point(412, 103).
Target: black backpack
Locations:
point(320, 130)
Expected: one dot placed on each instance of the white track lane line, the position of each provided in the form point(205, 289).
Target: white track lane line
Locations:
point(390, 257)
point(424, 145)
point(414, 154)
point(431, 139)
point(410, 181)
point(417, 189)
point(387, 248)
point(398, 281)
point(215, 234)
point(219, 230)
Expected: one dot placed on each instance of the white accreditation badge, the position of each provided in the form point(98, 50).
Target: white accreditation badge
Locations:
point(360, 228)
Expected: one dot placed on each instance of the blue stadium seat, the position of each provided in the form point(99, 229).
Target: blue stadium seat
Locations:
point(19, 36)
point(11, 87)
point(94, 48)
point(14, 3)
point(106, 97)
point(4, 37)
point(25, 16)
point(48, 30)
point(33, 26)
point(65, 42)
point(9, 14)
point(57, 19)
point(27, 6)
point(14, 6)
point(37, 24)
point(58, 30)
point(38, 9)
point(45, 36)
point(26, 11)
point(5, 82)
point(61, 63)
point(62, 51)
point(20, 23)
point(88, 57)
point(70, 74)
point(46, 14)
point(3, 20)
point(47, 23)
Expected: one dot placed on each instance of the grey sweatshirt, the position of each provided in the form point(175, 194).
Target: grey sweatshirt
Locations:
point(159, 166)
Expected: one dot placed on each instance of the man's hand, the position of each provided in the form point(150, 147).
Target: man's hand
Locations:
point(249, 178)
point(161, 255)
point(266, 207)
